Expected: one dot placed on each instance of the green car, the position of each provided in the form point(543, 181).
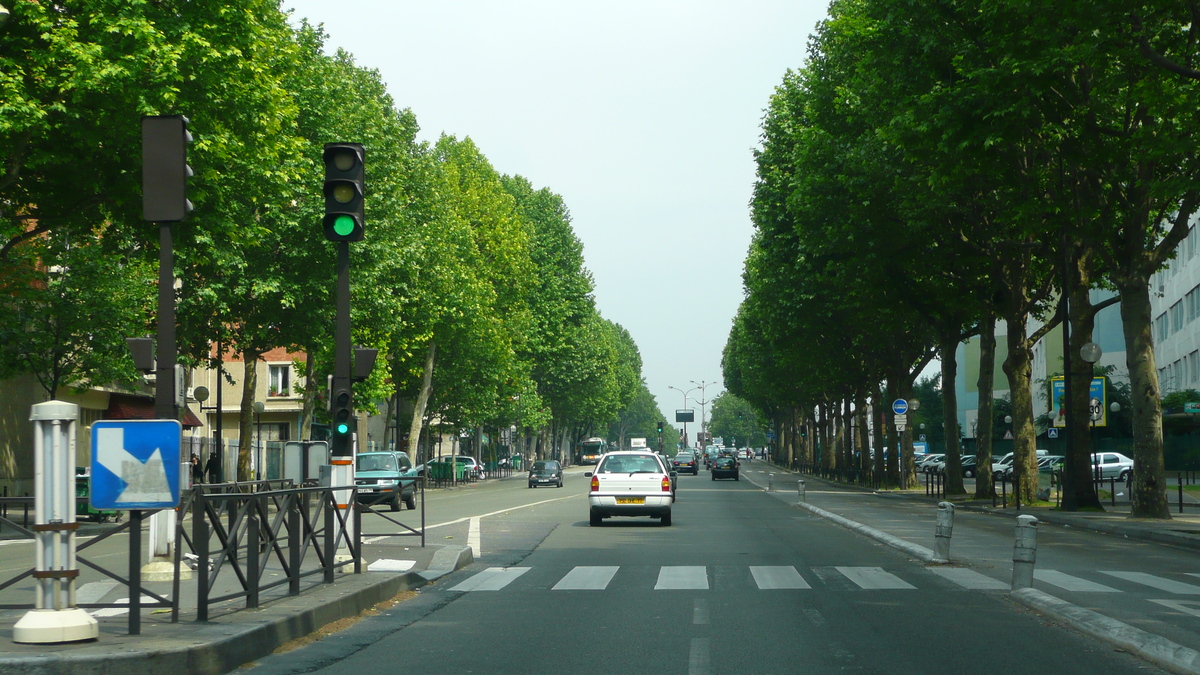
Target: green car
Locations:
point(380, 479)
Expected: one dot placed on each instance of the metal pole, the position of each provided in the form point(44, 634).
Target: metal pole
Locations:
point(135, 572)
point(164, 388)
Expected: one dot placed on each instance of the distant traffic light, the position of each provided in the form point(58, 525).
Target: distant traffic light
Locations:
point(164, 168)
point(660, 426)
point(343, 423)
point(344, 190)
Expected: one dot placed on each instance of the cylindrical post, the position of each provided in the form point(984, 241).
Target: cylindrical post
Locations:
point(56, 618)
point(295, 541)
point(770, 482)
point(1024, 552)
point(800, 489)
point(943, 531)
point(200, 536)
point(253, 544)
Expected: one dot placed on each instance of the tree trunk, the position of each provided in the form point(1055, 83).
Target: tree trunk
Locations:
point(864, 447)
point(418, 416)
point(879, 469)
point(1149, 492)
point(1017, 365)
point(1078, 489)
point(954, 475)
point(310, 399)
point(893, 444)
point(984, 487)
point(246, 438)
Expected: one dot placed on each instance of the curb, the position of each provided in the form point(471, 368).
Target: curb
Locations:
point(1157, 650)
point(919, 552)
point(215, 648)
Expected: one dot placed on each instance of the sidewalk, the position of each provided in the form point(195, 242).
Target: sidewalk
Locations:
point(983, 541)
point(234, 634)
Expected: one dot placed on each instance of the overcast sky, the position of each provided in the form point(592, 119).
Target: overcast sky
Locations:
point(642, 114)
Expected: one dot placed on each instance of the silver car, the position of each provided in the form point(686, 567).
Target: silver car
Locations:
point(1112, 465)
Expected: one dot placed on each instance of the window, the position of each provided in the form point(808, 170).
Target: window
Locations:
point(1194, 368)
point(1160, 328)
point(1189, 302)
point(280, 381)
point(1177, 317)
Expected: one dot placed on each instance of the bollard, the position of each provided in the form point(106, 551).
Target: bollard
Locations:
point(942, 532)
point(770, 482)
point(800, 489)
point(1024, 552)
point(56, 618)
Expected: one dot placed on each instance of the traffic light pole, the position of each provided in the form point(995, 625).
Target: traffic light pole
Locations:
point(343, 453)
point(164, 387)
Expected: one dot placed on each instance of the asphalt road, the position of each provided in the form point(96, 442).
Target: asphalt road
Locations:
point(741, 583)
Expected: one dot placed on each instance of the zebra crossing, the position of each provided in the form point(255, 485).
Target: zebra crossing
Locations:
point(788, 577)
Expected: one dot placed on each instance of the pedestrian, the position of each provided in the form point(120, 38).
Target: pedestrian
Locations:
point(197, 470)
point(213, 468)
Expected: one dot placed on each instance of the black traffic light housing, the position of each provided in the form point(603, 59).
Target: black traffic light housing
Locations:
point(344, 190)
point(660, 426)
point(341, 428)
point(164, 168)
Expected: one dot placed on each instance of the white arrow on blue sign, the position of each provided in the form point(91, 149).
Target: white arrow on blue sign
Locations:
point(135, 464)
point(899, 406)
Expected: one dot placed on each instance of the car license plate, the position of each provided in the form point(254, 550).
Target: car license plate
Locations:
point(631, 500)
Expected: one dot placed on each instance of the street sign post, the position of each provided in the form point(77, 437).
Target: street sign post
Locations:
point(900, 406)
point(135, 464)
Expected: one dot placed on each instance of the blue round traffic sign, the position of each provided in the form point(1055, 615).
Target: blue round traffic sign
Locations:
point(899, 406)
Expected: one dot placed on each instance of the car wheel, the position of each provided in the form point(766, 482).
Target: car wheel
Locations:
point(969, 473)
point(394, 505)
point(594, 519)
point(736, 477)
point(713, 476)
point(560, 483)
point(411, 502)
point(666, 519)
point(1124, 477)
point(531, 485)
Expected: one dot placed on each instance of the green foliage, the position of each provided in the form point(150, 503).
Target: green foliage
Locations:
point(736, 420)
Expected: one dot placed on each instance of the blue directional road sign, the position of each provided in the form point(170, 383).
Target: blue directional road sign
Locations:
point(135, 464)
point(899, 406)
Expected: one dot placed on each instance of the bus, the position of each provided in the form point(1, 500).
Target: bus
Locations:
point(590, 450)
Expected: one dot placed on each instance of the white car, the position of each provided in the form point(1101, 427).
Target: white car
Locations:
point(630, 483)
point(925, 462)
point(1112, 465)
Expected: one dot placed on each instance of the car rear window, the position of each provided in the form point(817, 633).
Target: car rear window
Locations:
point(377, 463)
point(630, 464)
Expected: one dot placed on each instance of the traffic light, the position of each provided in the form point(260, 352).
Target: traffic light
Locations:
point(164, 168)
point(344, 185)
point(660, 426)
point(343, 423)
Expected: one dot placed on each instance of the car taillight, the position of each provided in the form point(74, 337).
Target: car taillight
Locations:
point(595, 484)
point(666, 484)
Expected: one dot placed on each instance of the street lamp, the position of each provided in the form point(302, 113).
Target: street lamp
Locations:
point(1091, 353)
point(703, 402)
point(685, 400)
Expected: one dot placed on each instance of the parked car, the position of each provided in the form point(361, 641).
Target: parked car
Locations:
point(1004, 468)
point(630, 483)
point(925, 462)
point(1112, 465)
point(969, 469)
point(1050, 463)
point(380, 479)
point(686, 461)
point(725, 467)
point(546, 472)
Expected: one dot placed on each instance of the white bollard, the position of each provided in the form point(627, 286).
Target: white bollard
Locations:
point(56, 618)
point(942, 532)
point(770, 482)
point(1024, 552)
point(800, 489)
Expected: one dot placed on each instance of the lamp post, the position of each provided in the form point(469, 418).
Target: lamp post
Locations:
point(1091, 352)
point(259, 407)
point(702, 385)
point(685, 400)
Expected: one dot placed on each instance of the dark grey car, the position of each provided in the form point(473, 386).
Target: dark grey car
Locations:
point(545, 472)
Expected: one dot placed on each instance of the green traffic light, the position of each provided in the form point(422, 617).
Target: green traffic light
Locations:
point(343, 428)
point(343, 225)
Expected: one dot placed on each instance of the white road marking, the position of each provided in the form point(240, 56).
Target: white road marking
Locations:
point(970, 579)
point(491, 579)
point(585, 578)
point(769, 578)
point(698, 658)
point(873, 578)
point(93, 591)
point(700, 613)
point(1181, 605)
point(1070, 583)
point(682, 578)
point(1160, 583)
point(372, 540)
point(473, 536)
